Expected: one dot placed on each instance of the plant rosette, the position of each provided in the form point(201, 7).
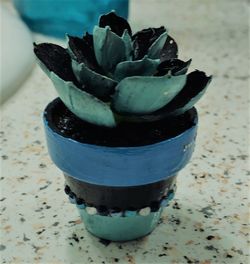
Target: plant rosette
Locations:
point(124, 124)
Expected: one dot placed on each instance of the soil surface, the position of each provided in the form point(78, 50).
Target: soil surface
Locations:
point(65, 123)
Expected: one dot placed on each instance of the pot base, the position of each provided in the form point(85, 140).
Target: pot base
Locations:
point(120, 228)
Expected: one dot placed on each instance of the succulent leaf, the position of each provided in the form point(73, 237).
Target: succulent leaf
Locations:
point(117, 24)
point(195, 87)
point(83, 104)
point(142, 40)
point(173, 66)
point(128, 45)
point(51, 57)
point(144, 67)
point(193, 90)
point(109, 48)
point(96, 84)
point(142, 95)
point(82, 50)
point(154, 50)
point(169, 50)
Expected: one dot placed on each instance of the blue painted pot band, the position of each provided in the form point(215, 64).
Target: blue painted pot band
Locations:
point(120, 166)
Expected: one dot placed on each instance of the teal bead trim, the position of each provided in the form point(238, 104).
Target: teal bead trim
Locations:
point(128, 213)
point(81, 206)
point(72, 200)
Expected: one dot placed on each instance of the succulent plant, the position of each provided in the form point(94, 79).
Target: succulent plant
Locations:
point(113, 75)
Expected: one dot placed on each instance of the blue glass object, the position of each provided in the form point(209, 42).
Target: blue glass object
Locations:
point(57, 17)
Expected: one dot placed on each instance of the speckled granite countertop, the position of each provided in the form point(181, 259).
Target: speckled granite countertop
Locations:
point(207, 222)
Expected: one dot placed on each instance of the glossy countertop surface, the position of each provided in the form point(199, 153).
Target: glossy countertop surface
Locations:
point(207, 222)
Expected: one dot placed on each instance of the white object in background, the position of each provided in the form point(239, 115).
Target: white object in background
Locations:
point(16, 56)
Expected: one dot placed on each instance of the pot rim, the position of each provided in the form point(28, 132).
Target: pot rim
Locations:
point(109, 148)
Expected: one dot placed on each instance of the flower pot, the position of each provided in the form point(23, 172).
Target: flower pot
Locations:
point(120, 191)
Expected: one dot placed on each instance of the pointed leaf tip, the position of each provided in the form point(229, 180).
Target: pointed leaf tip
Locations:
point(52, 57)
point(128, 45)
point(169, 50)
point(173, 67)
point(109, 48)
point(142, 40)
point(194, 89)
point(82, 50)
point(154, 50)
point(117, 23)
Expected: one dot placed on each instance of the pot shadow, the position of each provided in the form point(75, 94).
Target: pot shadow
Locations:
point(184, 235)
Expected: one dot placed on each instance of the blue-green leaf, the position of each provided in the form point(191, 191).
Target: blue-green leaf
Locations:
point(169, 50)
point(52, 57)
point(128, 44)
point(155, 49)
point(191, 103)
point(82, 50)
point(116, 23)
point(95, 83)
point(143, 40)
point(173, 67)
point(109, 48)
point(194, 89)
point(141, 95)
point(83, 104)
point(144, 67)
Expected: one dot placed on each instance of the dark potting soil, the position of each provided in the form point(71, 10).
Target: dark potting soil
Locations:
point(130, 134)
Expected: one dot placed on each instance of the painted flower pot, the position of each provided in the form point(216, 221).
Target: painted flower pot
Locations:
point(120, 192)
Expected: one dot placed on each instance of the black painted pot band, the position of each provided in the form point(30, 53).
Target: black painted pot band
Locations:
point(135, 197)
point(117, 212)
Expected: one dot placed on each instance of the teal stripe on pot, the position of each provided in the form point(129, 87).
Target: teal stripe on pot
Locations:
point(119, 166)
point(120, 228)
